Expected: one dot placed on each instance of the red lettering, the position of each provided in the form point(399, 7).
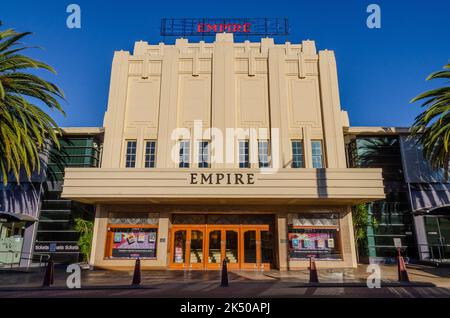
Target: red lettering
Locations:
point(210, 27)
point(236, 27)
point(228, 27)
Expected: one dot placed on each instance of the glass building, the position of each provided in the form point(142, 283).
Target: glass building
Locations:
point(55, 231)
point(392, 216)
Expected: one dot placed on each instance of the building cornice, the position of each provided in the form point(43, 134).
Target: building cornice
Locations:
point(375, 130)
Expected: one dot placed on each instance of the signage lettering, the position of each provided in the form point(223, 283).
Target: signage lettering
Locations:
point(222, 178)
point(238, 26)
point(223, 27)
point(56, 247)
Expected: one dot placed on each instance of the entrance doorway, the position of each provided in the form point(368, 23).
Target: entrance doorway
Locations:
point(438, 238)
point(247, 247)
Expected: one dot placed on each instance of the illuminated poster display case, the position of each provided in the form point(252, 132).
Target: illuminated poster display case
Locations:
point(132, 236)
point(314, 235)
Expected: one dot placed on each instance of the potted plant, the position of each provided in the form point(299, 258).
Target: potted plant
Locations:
point(85, 229)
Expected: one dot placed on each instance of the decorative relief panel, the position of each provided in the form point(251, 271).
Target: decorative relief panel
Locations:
point(143, 102)
point(135, 68)
point(304, 102)
point(186, 65)
point(127, 218)
point(205, 65)
point(291, 67)
point(194, 100)
point(261, 65)
point(154, 67)
point(252, 101)
point(154, 52)
point(241, 65)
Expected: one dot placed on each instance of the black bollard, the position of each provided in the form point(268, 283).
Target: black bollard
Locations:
point(313, 277)
point(49, 272)
point(137, 273)
point(224, 281)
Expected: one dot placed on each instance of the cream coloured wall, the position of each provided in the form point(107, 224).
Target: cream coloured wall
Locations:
point(226, 85)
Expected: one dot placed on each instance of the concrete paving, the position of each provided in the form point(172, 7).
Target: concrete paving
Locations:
point(425, 282)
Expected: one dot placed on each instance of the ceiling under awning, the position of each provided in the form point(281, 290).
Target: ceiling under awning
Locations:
point(16, 217)
point(442, 210)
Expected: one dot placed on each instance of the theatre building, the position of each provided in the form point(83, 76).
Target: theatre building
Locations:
point(172, 191)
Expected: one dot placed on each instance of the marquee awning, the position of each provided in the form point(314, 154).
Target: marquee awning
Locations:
point(313, 186)
point(430, 198)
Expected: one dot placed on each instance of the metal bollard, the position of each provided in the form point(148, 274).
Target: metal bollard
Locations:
point(224, 280)
point(49, 273)
point(313, 276)
point(137, 273)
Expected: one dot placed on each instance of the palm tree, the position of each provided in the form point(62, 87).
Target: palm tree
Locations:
point(25, 129)
point(432, 127)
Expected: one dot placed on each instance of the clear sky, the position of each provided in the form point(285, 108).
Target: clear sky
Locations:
point(379, 70)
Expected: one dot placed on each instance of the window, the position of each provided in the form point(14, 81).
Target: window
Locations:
point(203, 154)
point(132, 235)
point(263, 153)
point(184, 154)
point(297, 154)
point(314, 235)
point(243, 154)
point(130, 158)
point(150, 152)
point(317, 156)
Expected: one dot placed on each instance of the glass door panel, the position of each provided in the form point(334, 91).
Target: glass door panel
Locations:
point(249, 247)
point(444, 233)
point(231, 247)
point(214, 248)
point(196, 257)
point(179, 248)
point(266, 249)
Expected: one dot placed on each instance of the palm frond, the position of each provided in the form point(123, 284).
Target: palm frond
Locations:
point(25, 128)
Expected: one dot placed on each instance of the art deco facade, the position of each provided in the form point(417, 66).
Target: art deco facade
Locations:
point(190, 211)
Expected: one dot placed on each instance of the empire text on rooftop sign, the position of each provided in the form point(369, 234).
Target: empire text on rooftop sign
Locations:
point(237, 26)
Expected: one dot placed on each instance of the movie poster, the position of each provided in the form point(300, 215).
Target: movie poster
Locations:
point(310, 241)
point(134, 243)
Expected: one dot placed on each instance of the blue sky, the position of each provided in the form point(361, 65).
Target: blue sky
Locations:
point(379, 70)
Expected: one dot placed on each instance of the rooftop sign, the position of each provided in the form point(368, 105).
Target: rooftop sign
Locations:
point(237, 26)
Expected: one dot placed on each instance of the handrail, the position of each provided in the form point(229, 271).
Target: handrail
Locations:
point(30, 257)
point(442, 251)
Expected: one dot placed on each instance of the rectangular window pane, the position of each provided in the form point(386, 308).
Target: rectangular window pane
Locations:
point(244, 154)
point(184, 154)
point(130, 158)
point(203, 154)
point(263, 153)
point(150, 153)
point(317, 157)
point(297, 154)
